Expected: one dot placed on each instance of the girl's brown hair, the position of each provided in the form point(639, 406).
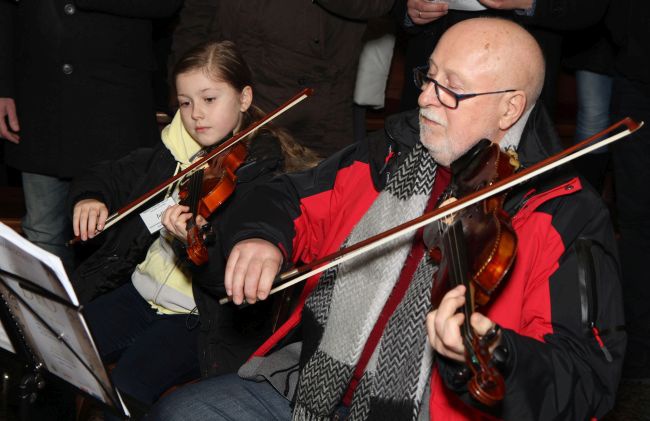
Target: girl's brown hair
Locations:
point(221, 60)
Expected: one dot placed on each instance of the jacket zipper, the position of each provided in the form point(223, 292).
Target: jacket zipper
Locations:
point(588, 294)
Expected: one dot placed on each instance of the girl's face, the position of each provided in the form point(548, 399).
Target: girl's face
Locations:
point(210, 110)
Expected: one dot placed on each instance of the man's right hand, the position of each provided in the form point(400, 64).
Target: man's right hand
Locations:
point(251, 270)
point(8, 112)
point(88, 218)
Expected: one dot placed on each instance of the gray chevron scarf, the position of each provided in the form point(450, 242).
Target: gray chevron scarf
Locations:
point(348, 301)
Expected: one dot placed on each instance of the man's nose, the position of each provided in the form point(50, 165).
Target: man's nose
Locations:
point(428, 97)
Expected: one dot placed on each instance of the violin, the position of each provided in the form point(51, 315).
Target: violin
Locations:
point(198, 165)
point(476, 248)
point(204, 191)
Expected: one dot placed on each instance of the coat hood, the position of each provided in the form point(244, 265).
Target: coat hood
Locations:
point(179, 142)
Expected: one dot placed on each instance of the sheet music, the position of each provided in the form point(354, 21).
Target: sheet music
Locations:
point(31, 262)
point(66, 328)
point(468, 5)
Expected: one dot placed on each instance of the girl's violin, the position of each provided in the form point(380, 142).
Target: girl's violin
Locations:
point(476, 248)
point(204, 191)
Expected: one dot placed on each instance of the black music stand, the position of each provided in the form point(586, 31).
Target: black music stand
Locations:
point(43, 321)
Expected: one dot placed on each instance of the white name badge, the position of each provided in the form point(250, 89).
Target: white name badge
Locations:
point(153, 215)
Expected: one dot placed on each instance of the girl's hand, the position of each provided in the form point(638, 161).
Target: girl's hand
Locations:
point(175, 218)
point(88, 218)
point(251, 270)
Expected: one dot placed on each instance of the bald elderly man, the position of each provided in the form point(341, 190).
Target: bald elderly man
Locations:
point(364, 342)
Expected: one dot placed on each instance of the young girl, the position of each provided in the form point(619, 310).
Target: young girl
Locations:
point(147, 324)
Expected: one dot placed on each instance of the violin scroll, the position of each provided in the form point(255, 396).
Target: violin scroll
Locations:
point(196, 250)
point(487, 385)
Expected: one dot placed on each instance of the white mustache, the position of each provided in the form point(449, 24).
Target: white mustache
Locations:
point(430, 115)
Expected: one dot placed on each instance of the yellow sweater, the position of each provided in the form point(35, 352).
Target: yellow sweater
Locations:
point(159, 279)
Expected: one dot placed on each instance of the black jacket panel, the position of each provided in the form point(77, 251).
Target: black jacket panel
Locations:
point(80, 75)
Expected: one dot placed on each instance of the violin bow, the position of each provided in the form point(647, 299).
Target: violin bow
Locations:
point(241, 135)
point(293, 276)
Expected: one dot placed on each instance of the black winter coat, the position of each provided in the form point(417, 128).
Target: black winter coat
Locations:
point(629, 22)
point(80, 73)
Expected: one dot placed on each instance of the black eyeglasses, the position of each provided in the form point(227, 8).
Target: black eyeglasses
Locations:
point(446, 96)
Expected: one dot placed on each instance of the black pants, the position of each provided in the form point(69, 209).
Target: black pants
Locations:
point(153, 351)
point(631, 157)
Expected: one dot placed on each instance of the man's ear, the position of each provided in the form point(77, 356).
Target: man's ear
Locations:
point(512, 107)
point(246, 98)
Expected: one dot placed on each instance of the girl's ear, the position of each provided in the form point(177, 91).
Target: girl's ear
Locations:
point(245, 98)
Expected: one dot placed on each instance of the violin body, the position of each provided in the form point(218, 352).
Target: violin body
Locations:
point(220, 179)
point(490, 239)
point(204, 191)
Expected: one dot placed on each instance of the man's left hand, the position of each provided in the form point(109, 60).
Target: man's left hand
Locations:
point(444, 325)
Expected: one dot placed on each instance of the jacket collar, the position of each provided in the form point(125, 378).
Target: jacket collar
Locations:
point(539, 139)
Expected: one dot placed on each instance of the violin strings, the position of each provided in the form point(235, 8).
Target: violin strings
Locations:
point(194, 193)
point(455, 258)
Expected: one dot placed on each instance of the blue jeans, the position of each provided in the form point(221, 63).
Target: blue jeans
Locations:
point(46, 223)
point(594, 92)
point(153, 351)
point(227, 397)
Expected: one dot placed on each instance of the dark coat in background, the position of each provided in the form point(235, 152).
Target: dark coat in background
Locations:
point(629, 23)
point(80, 74)
point(291, 45)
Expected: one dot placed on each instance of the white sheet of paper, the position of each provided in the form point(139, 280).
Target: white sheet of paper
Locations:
point(152, 216)
point(5, 342)
point(468, 5)
point(24, 259)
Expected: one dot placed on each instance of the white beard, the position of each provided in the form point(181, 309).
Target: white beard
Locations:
point(446, 149)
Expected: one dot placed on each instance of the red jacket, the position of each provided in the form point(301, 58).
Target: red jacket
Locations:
point(557, 368)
